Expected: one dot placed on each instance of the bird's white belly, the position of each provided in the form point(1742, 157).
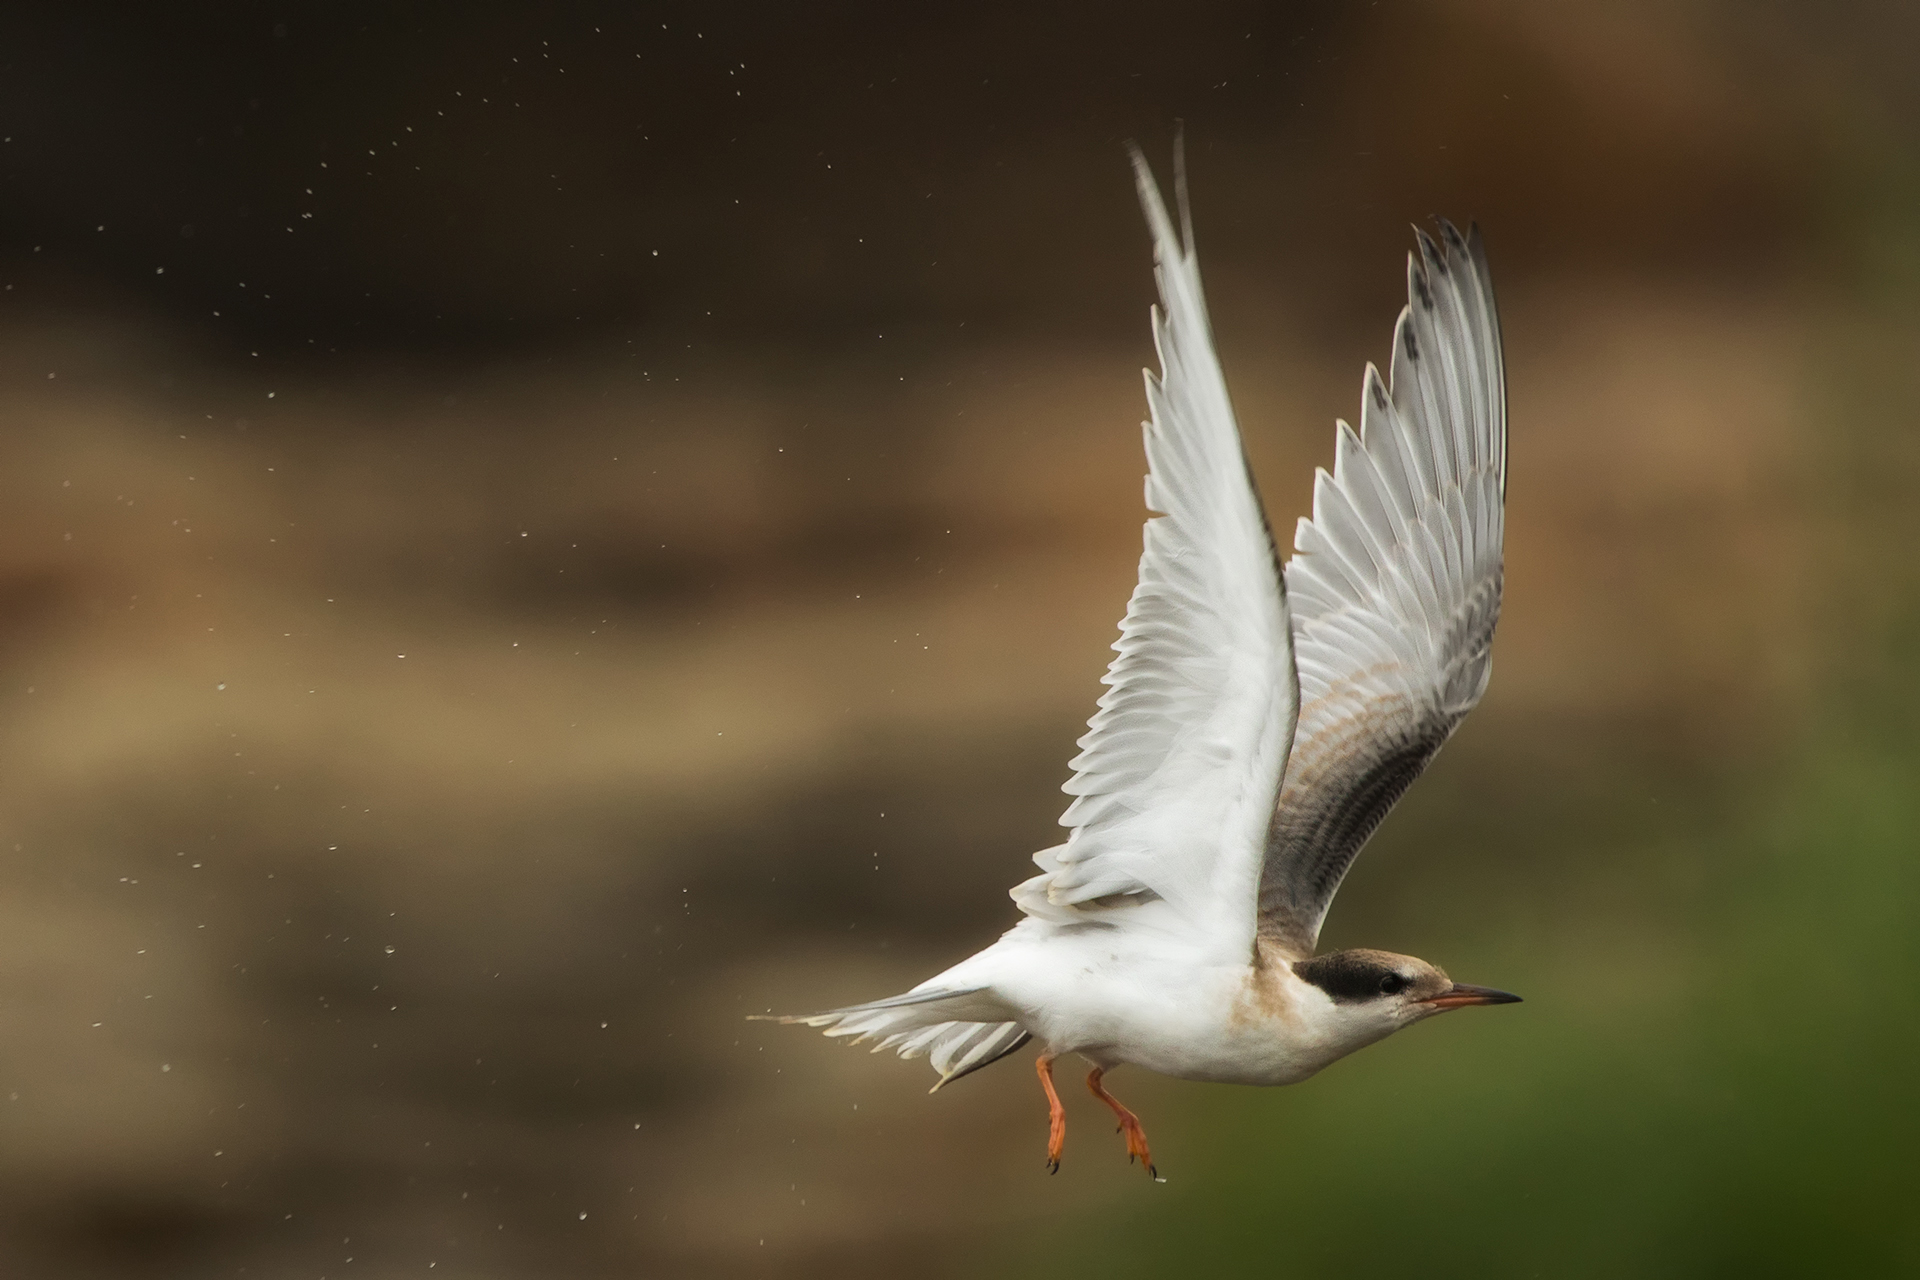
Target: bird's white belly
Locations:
point(1225, 1023)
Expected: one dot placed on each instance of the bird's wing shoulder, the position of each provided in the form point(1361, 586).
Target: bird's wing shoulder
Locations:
point(1179, 769)
point(1394, 584)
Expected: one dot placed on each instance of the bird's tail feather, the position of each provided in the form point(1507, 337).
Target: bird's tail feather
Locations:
point(944, 1024)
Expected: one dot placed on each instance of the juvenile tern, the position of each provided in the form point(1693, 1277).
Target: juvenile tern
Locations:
point(1259, 723)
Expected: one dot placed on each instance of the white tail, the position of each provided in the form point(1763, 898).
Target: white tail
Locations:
point(942, 1023)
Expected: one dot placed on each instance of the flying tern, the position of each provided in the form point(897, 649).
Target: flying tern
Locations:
point(1259, 723)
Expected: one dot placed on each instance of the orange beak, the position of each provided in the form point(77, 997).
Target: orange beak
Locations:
point(1462, 994)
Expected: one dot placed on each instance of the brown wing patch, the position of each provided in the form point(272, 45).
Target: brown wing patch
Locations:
point(1333, 799)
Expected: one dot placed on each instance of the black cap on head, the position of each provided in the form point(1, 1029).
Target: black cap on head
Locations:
point(1361, 974)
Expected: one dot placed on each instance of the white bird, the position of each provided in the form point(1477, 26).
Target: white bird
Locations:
point(1259, 724)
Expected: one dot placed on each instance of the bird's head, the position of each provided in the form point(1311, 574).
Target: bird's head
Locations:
point(1372, 994)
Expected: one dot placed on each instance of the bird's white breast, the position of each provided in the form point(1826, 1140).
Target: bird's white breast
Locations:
point(1101, 994)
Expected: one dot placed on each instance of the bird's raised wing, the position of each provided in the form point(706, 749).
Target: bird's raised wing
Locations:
point(1394, 584)
point(1180, 767)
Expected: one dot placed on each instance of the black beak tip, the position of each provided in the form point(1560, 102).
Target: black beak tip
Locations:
point(1462, 994)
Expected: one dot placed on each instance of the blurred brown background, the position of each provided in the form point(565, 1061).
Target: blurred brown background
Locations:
point(532, 532)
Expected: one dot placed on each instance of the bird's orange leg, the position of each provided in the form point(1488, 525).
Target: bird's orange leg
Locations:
point(1129, 1124)
point(1056, 1114)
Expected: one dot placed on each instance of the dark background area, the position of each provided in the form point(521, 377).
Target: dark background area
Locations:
point(464, 182)
point(530, 533)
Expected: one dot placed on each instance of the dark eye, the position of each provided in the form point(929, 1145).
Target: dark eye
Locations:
point(1392, 985)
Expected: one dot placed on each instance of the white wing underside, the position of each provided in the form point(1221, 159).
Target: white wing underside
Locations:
point(1178, 772)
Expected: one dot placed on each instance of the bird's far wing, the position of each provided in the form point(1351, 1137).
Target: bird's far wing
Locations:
point(1394, 584)
point(1180, 767)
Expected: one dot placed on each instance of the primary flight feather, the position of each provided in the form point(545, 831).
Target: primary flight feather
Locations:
point(1259, 723)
